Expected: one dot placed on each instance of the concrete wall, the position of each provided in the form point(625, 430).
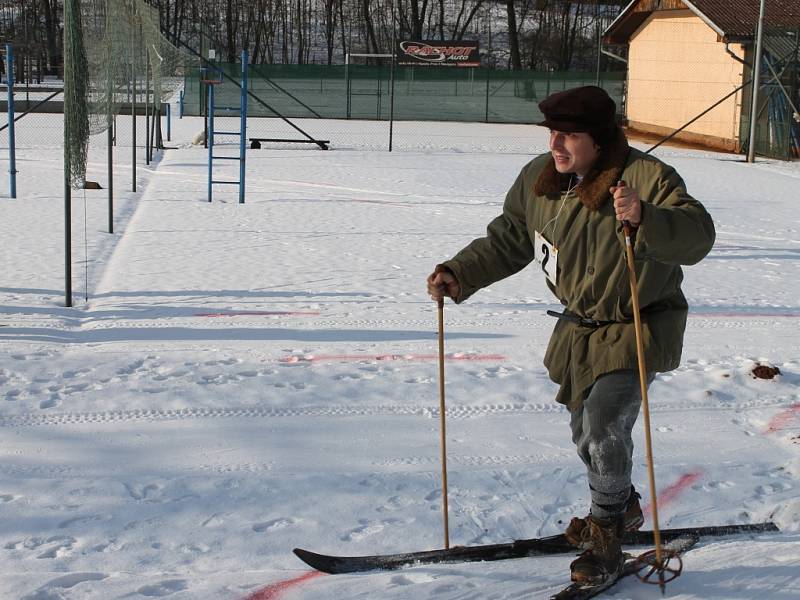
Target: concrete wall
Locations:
point(676, 70)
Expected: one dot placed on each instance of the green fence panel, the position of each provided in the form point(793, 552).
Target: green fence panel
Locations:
point(420, 93)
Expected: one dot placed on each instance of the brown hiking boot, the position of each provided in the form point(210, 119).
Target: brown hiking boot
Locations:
point(603, 561)
point(577, 534)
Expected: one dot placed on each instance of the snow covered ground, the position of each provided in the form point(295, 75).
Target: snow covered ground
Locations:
point(245, 379)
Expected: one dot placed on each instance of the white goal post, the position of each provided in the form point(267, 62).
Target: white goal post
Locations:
point(347, 79)
point(362, 55)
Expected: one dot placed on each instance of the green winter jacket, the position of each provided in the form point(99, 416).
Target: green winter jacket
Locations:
point(592, 279)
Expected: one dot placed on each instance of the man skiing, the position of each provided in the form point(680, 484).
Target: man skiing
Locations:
point(565, 211)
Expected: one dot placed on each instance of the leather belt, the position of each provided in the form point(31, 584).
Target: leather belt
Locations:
point(581, 321)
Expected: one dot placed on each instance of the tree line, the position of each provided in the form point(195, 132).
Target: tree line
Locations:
point(541, 35)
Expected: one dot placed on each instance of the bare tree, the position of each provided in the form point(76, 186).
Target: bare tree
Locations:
point(462, 23)
point(372, 42)
point(530, 34)
point(231, 26)
point(330, 28)
point(52, 18)
point(513, 38)
point(417, 17)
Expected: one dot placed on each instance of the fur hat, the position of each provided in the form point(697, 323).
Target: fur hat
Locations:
point(586, 109)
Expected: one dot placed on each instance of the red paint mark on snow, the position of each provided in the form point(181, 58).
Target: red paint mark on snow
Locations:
point(782, 419)
point(311, 358)
point(274, 590)
point(261, 313)
point(671, 492)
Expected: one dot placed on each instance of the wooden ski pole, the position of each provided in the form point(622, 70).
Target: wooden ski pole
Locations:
point(442, 426)
point(637, 323)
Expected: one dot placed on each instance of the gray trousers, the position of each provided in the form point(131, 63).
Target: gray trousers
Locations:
point(601, 430)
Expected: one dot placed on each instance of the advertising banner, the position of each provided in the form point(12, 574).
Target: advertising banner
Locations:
point(462, 53)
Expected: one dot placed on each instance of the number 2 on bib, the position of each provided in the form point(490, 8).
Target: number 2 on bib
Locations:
point(546, 255)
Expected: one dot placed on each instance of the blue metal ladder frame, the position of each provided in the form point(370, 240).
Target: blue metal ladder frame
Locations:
point(242, 133)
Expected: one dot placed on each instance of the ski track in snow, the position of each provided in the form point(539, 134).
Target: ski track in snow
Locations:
point(458, 412)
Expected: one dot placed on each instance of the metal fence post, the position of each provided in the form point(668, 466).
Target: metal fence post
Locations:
point(147, 138)
point(751, 148)
point(110, 159)
point(134, 75)
point(488, 73)
point(210, 136)
point(347, 84)
point(243, 127)
point(12, 155)
point(393, 76)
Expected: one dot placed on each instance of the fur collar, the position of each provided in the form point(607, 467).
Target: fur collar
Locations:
point(593, 189)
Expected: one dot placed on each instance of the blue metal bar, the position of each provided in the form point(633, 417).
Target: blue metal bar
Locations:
point(180, 106)
point(169, 122)
point(210, 137)
point(242, 135)
point(243, 127)
point(12, 154)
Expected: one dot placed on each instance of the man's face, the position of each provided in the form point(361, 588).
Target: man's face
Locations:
point(573, 152)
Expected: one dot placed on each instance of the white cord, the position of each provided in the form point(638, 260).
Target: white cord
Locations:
point(554, 220)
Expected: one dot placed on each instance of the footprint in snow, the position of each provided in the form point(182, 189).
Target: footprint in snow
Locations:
point(395, 503)
point(362, 532)
point(63, 544)
point(344, 376)
point(772, 488)
point(46, 592)
point(194, 549)
point(163, 588)
point(51, 402)
point(434, 495)
point(281, 523)
point(139, 492)
point(79, 521)
point(222, 362)
point(713, 485)
point(410, 579)
point(131, 368)
point(76, 373)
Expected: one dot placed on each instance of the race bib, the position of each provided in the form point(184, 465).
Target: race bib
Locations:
point(546, 255)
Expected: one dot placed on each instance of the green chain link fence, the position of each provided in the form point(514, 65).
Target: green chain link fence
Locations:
point(362, 95)
point(778, 113)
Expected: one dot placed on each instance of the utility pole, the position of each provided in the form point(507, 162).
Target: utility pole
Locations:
point(751, 149)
